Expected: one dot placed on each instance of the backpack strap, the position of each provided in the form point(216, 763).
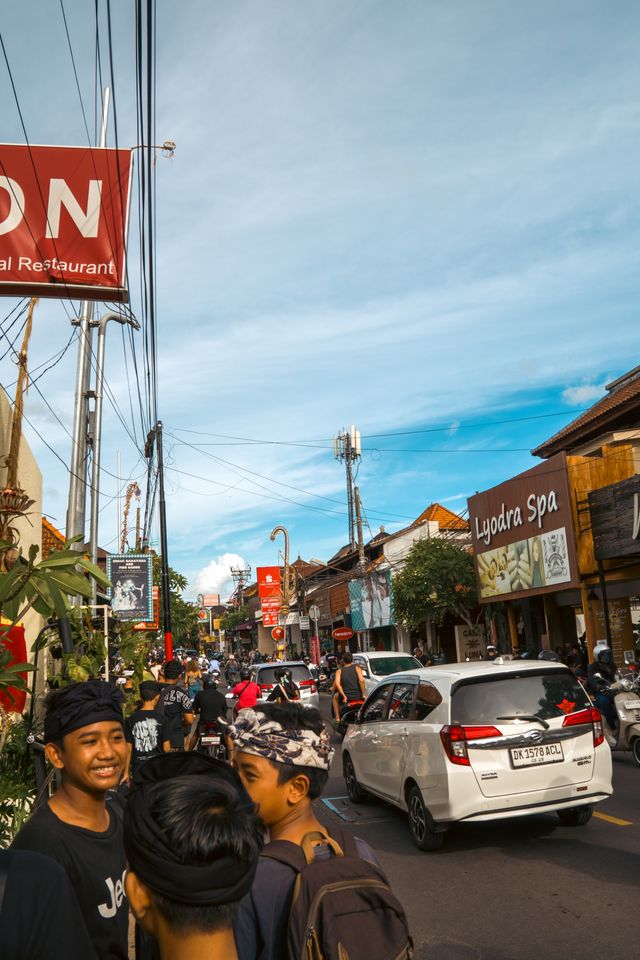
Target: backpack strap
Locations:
point(284, 851)
point(299, 856)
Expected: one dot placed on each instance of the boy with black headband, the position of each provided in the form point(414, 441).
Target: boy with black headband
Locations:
point(146, 730)
point(193, 840)
point(84, 741)
point(283, 754)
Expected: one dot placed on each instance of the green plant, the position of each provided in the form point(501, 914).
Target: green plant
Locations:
point(17, 782)
point(438, 580)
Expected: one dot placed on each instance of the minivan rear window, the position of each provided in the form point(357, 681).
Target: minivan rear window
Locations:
point(268, 674)
point(545, 695)
point(385, 666)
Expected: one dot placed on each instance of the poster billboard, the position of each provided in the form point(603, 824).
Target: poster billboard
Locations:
point(371, 601)
point(63, 221)
point(523, 535)
point(155, 623)
point(268, 582)
point(131, 587)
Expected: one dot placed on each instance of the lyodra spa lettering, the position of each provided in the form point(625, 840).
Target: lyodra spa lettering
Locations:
point(537, 507)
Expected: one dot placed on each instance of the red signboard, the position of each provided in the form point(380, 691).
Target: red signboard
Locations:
point(315, 649)
point(12, 699)
point(278, 633)
point(63, 221)
point(342, 633)
point(155, 623)
point(268, 582)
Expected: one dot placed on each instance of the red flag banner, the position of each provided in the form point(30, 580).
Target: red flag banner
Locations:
point(63, 221)
point(12, 699)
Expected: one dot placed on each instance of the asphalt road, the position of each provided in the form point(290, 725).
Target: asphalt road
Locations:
point(520, 889)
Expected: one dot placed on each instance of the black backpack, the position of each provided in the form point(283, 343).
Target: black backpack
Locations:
point(340, 906)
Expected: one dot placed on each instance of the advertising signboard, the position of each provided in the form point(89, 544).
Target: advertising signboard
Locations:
point(155, 623)
point(63, 221)
point(268, 582)
point(471, 642)
point(371, 601)
point(211, 600)
point(615, 520)
point(523, 536)
point(130, 590)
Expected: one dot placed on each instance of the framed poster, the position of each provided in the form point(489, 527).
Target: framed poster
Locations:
point(131, 586)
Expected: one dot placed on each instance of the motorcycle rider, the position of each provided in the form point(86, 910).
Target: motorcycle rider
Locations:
point(601, 674)
point(209, 705)
point(349, 684)
point(492, 652)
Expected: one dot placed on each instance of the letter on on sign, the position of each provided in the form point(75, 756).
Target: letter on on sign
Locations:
point(16, 207)
point(59, 194)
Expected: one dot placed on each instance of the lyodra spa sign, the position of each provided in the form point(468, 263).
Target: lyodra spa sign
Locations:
point(523, 535)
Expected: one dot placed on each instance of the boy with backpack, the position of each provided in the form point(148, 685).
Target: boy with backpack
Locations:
point(294, 909)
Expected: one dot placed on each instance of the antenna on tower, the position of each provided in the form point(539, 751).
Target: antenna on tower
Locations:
point(240, 578)
point(348, 448)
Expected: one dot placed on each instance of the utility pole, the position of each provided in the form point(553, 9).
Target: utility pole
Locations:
point(96, 431)
point(361, 560)
point(156, 435)
point(76, 507)
point(240, 578)
point(347, 447)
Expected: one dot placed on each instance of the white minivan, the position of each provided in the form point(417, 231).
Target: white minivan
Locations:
point(377, 665)
point(479, 741)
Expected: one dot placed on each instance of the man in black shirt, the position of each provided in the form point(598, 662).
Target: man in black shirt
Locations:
point(210, 704)
point(81, 824)
point(175, 704)
point(146, 730)
point(39, 915)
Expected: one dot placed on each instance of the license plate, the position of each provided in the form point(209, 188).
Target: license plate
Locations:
point(632, 704)
point(536, 755)
point(211, 741)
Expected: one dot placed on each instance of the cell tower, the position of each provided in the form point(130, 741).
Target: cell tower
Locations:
point(240, 578)
point(347, 447)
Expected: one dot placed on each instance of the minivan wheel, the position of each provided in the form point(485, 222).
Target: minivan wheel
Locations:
point(421, 823)
point(575, 816)
point(354, 791)
point(635, 750)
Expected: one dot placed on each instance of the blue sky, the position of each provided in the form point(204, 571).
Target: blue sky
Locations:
point(405, 216)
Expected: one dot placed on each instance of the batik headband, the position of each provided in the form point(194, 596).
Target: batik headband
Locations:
point(255, 733)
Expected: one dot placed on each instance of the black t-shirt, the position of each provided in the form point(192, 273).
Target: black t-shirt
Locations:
point(146, 731)
point(95, 863)
point(174, 702)
point(40, 918)
point(210, 704)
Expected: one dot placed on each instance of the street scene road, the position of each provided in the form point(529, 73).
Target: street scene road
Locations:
point(519, 889)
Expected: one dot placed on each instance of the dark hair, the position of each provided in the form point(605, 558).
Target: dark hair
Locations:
point(204, 821)
point(347, 657)
point(293, 716)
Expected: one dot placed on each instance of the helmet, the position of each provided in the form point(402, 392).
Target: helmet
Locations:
point(245, 674)
point(548, 655)
point(602, 651)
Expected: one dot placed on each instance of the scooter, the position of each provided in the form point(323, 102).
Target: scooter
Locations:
point(348, 714)
point(211, 742)
point(626, 699)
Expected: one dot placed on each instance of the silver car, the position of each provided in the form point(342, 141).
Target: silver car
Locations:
point(265, 675)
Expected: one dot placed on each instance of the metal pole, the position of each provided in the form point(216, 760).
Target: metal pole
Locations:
point(166, 598)
point(76, 506)
point(361, 560)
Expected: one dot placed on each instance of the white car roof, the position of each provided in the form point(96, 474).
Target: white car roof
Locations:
point(452, 672)
point(379, 654)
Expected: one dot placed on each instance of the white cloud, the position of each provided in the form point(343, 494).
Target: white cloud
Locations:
point(216, 576)
point(584, 394)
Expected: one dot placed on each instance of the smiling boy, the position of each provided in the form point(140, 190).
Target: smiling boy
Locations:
point(78, 826)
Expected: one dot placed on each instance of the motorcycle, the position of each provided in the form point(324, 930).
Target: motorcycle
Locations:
point(626, 699)
point(212, 742)
point(348, 714)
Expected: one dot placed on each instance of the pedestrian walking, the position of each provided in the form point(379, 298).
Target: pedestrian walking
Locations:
point(175, 704)
point(147, 731)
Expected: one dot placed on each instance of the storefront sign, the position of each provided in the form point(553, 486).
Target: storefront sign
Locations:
point(268, 582)
point(470, 642)
point(615, 520)
point(63, 221)
point(342, 633)
point(527, 525)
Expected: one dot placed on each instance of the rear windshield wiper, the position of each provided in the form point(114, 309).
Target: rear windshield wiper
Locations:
point(525, 716)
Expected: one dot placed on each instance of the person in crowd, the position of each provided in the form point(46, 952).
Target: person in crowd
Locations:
point(80, 826)
point(147, 731)
point(192, 678)
point(492, 652)
point(247, 691)
point(175, 704)
point(348, 684)
point(209, 705)
point(601, 674)
point(193, 840)
point(283, 754)
point(285, 688)
point(214, 665)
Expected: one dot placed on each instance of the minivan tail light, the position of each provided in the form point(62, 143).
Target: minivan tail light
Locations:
point(589, 715)
point(480, 732)
point(455, 744)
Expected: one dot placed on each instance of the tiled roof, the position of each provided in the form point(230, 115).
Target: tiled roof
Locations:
point(620, 407)
point(446, 519)
point(52, 539)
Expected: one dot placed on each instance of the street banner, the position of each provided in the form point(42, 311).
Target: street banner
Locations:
point(64, 215)
point(268, 582)
point(270, 611)
point(315, 649)
point(130, 590)
point(371, 601)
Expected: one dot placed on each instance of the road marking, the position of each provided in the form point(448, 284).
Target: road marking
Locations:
point(618, 822)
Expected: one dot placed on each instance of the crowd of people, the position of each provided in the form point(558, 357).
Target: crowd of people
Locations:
point(202, 853)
